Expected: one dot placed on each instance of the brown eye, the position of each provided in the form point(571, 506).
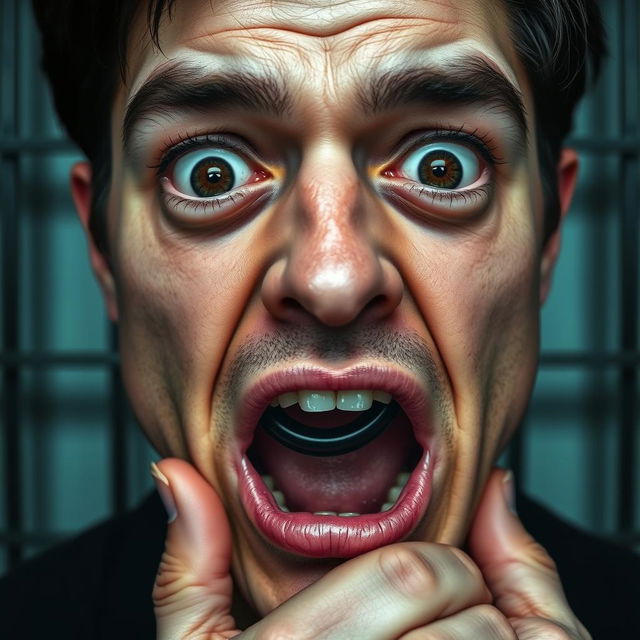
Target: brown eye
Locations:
point(443, 165)
point(212, 177)
point(440, 169)
point(208, 173)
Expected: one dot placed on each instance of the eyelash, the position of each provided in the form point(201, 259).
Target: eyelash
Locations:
point(477, 139)
point(203, 205)
point(173, 149)
point(480, 142)
point(466, 197)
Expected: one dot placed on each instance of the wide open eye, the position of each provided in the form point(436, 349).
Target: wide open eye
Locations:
point(209, 172)
point(443, 165)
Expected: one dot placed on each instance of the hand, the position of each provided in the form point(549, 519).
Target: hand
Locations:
point(406, 591)
point(519, 572)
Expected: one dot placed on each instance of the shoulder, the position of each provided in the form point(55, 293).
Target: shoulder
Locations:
point(97, 581)
point(601, 579)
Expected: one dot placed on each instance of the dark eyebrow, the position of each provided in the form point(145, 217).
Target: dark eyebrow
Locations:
point(182, 86)
point(463, 81)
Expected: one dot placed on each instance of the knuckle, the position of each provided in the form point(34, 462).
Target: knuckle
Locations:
point(538, 554)
point(469, 565)
point(494, 622)
point(407, 571)
point(171, 579)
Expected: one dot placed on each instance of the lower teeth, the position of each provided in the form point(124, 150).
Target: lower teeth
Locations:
point(392, 497)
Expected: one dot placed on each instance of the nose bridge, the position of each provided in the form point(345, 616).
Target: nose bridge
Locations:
point(328, 189)
point(330, 237)
point(332, 268)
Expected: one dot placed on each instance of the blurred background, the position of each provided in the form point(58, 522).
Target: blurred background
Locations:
point(70, 452)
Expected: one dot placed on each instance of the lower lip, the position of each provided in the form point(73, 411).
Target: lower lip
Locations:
point(314, 536)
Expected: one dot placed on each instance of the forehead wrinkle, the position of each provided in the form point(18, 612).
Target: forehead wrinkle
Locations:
point(338, 54)
point(359, 33)
point(261, 49)
point(321, 26)
point(381, 36)
point(194, 27)
point(382, 40)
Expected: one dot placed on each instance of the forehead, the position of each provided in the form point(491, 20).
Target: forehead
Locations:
point(321, 46)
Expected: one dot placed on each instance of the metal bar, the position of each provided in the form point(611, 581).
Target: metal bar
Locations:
point(12, 146)
point(516, 454)
point(606, 145)
point(118, 406)
point(33, 538)
point(9, 114)
point(630, 168)
point(590, 359)
point(59, 359)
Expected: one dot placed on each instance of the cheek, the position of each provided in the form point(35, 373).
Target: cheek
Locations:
point(506, 351)
point(478, 296)
point(179, 304)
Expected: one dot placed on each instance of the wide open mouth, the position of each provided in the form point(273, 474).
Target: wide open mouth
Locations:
point(343, 453)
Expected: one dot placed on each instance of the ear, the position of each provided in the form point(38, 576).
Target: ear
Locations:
point(567, 177)
point(81, 190)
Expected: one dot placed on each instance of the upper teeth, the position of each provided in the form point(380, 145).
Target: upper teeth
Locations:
point(316, 401)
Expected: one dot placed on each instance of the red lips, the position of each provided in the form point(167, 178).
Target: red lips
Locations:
point(303, 533)
point(334, 536)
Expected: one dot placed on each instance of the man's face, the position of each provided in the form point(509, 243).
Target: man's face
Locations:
point(327, 197)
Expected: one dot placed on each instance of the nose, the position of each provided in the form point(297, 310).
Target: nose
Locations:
point(332, 268)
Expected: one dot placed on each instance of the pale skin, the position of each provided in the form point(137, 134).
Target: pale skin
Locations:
point(329, 250)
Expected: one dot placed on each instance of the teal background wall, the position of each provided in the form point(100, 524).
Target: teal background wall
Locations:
point(568, 453)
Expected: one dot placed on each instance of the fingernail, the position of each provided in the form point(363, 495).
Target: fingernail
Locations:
point(162, 485)
point(508, 489)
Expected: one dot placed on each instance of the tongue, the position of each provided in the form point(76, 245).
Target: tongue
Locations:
point(353, 482)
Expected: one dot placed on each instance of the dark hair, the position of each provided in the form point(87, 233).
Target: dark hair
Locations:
point(84, 56)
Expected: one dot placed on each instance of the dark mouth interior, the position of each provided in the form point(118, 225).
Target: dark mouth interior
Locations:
point(357, 481)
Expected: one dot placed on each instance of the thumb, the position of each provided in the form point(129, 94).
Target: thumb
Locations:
point(193, 589)
point(518, 571)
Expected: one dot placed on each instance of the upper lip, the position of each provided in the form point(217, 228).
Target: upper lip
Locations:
point(405, 389)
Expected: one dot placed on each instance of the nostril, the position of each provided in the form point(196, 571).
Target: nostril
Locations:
point(377, 301)
point(378, 307)
point(291, 304)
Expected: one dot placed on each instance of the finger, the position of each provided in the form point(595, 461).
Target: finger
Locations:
point(520, 573)
point(193, 588)
point(536, 628)
point(379, 595)
point(483, 621)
